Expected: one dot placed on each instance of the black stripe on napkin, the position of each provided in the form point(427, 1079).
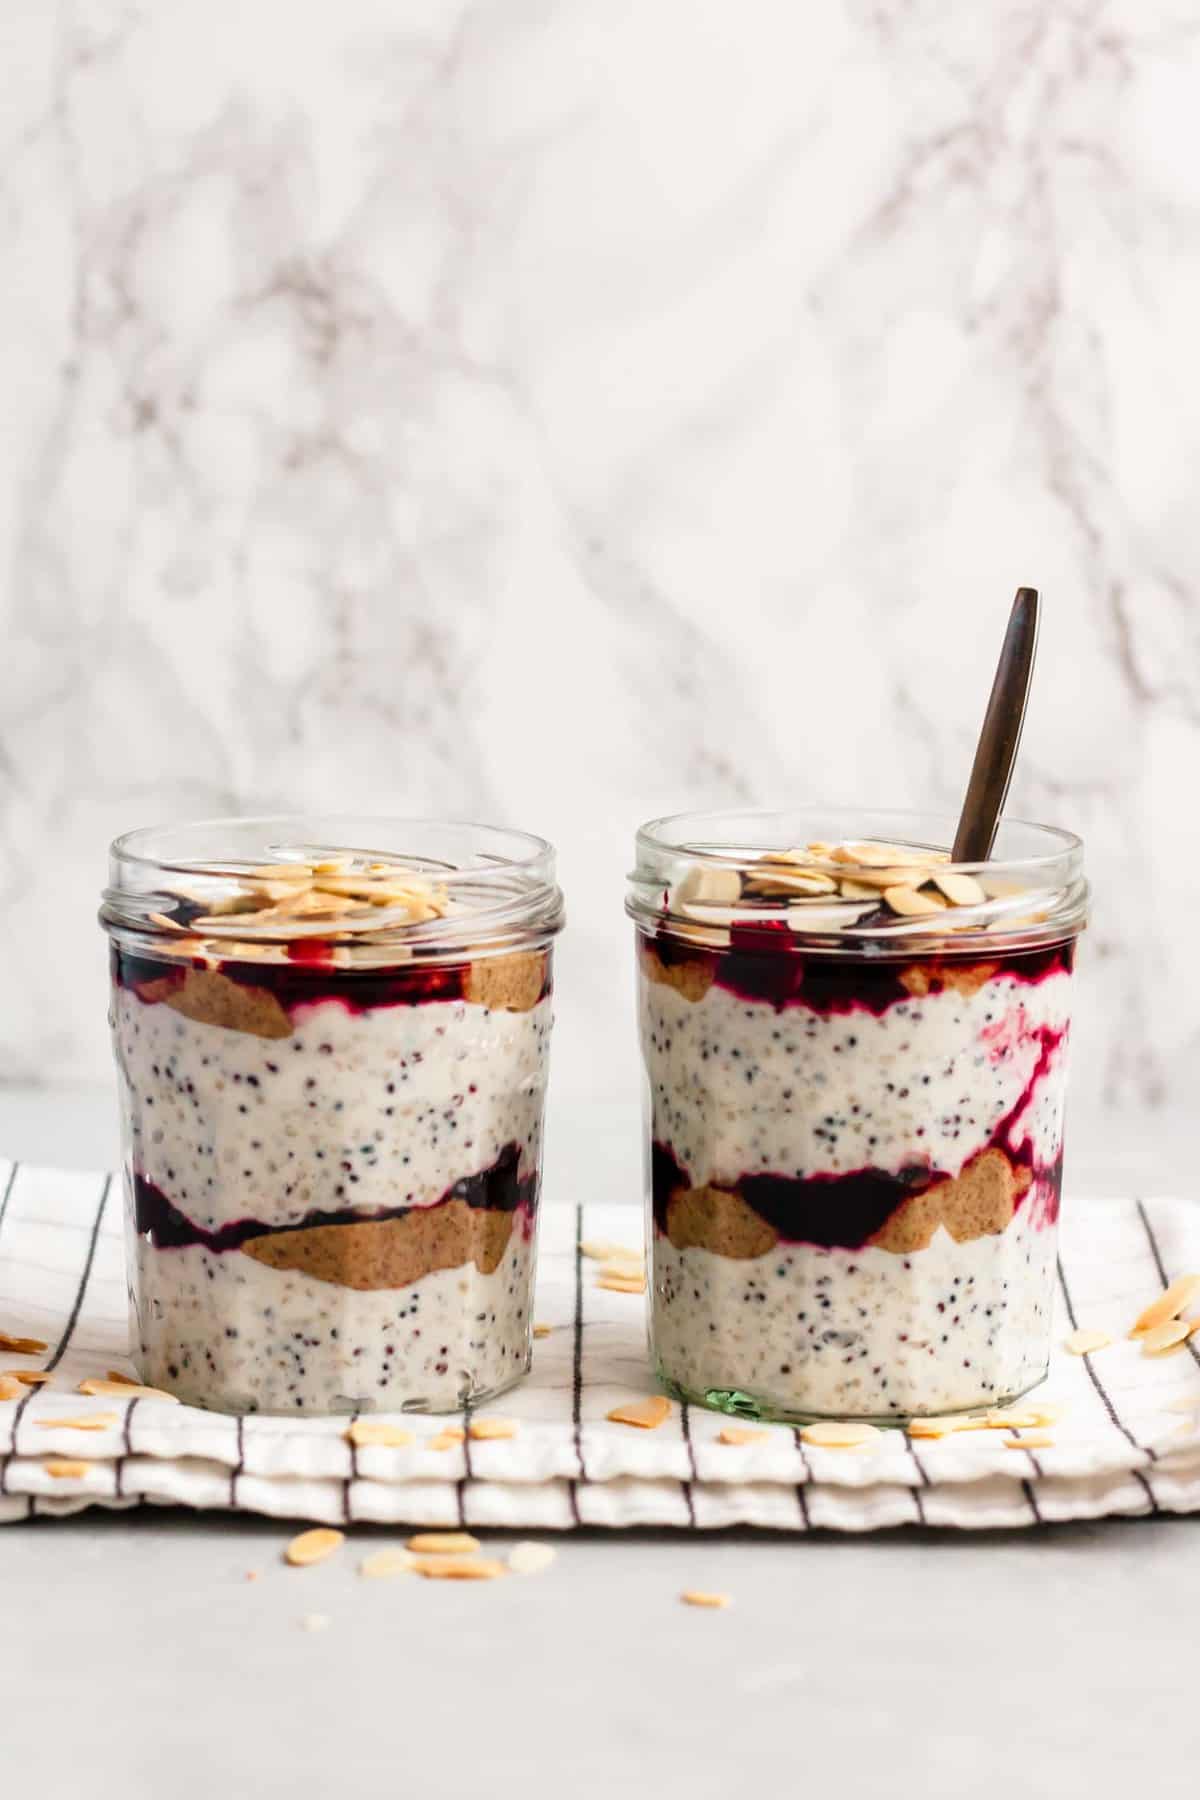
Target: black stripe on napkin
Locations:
point(577, 1368)
point(1099, 1386)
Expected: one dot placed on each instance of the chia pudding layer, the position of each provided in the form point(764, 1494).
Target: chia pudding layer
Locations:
point(855, 1155)
point(332, 1160)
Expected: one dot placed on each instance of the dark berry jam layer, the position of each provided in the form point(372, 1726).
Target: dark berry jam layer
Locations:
point(500, 1188)
point(763, 963)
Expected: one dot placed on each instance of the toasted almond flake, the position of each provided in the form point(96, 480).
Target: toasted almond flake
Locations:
point(86, 1422)
point(313, 1546)
point(281, 871)
point(336, 865)
point(542, 1331)
point(377, 1431)
point(64, 1469)
point(109, 1389)
point(622, 1284)
point(443, 1543)
point(381, 1565)
point(740, 1434)
point(839, 1434)
point(445, 1440)
point(777, 880)
point(711, 886)
point(28, 1377)
point(1172, 1300)
point(9, 1389)
point(165, 922)
point(911, 904)
point(960, 890)
point(458, 1568)
point(599, 1251)
point(528, 1558)
point(493, 1428)
point(857, 890)
point(698, 1597)
point(22, 1346)
point(1032, 1440)
point(1083, 1342)
point(646, 1414)
point(1162, 1339)
point(941, 1427)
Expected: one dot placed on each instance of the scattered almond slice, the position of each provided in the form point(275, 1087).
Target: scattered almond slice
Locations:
point(445, 1440)
point(442, 1543)
point(528, 1558)
point(542, 1331)
point(647, 1414)
point(960, 890)
point(714, 886)
point(382, 1564)
point(839, 1434)
point(121, 1379)
point(1172, 1300)
point(483, 1429)
point(1046, 1412)
point(1033, 1440)
point(911, 904)
point(63, 1469)
point(88, 1422)
point(111, 1389)
point(27, 1377)
point(698, 1597)
point(857, 890)
point(22, 1346)
point(622, 1284)
point(740, 1434)
point(376, 1431)
point(1083, 1342)
point(313, 1546)
point(939, 1427)
point(9, 1389)
point(1160, 1340)
point(165, 922)
point(599, 1251)
point(1012, 1418)
point(458, 1568)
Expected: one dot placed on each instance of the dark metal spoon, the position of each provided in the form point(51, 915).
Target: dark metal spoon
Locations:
point(996, 751)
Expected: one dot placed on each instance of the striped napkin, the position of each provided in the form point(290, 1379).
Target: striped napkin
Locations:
point(1128, 1440)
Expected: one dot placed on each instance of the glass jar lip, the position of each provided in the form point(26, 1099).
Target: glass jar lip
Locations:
point(1034, 891)
point(500, 880)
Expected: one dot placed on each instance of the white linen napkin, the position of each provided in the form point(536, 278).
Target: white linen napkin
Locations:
point(1128, 1440)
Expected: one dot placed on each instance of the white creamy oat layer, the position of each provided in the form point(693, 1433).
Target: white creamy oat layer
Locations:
point(860, 1333)
point(231, 1333)
point(740, 1088)
point(353, 1111)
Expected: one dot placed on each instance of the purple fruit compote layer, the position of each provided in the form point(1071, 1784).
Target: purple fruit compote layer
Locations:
point(855, 1162)
point(332, 1170)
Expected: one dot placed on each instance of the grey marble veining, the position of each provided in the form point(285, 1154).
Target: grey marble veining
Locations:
point(564, 413)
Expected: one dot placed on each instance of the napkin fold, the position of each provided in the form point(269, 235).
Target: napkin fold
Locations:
point(1128, 1440)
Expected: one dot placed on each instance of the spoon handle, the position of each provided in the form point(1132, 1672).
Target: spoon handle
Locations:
point(1000, 738)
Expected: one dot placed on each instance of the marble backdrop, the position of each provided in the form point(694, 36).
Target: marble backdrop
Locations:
point(562, 411)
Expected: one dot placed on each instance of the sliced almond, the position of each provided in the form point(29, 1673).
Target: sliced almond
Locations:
point(1172, 1300)
point(22, 1346)
point(9, 1389)
point(458, 1568)
point(382, 1564)
point(647, 1414)
point(700, 1597)
point(377, 1431)
point(445, 1440)
point(121, 1379)
point(28, 1377)
point(87, 1422)
point(857, 890)
point(1032, 1440)
point(64, 1469)
point(1083, 1341)
point(1160, 1340)
point(960, 890)
point(483, 1429)
point(740, 1434)
point(910, 904)
point(1011, 1418)
point(108, 1389)
point(791, 881)
point(281, 871)
point(165, 922)
point(711, 886)
point(599, 1251)
point(622, 1284)
point(839, 1434)
point(528, 1558)
point(941, 1427)
point(313, 1546)
point(443, 1543)
point(542, 1331)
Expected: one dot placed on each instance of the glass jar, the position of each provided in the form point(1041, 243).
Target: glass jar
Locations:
point(855, 1054)
point(331, 1038)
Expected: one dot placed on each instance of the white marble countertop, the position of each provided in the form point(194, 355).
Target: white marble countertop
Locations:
point(912, 1662)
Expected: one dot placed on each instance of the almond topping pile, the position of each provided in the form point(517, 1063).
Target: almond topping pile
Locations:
point(22, 1346)
point(1082, 1343)
point(1168, 1305)
point(698, 1597)
point(647, 1415)
point(376, 1431)
point(313, 1546)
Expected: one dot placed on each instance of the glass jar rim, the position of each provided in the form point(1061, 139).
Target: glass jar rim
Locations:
point(1043, 864)
point(502, 881)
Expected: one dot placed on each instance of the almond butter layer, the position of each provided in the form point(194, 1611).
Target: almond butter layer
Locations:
point(691, 978)
point(978, 1203)
point(513, 983)
point(390, 1253)
point(210, 998)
